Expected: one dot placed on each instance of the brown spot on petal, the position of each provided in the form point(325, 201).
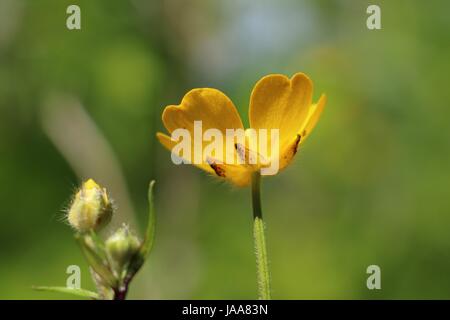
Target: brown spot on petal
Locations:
point(240, 151)
point(296, 144)
point(217, 169)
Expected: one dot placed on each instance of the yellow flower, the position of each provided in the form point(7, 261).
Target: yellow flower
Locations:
point(276, 102)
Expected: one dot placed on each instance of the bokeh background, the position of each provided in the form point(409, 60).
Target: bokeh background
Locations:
point(369, 187)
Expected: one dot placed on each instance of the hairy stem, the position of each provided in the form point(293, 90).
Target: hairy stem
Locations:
point(262, 266)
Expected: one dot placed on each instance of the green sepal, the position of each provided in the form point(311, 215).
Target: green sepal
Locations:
point(96, 262)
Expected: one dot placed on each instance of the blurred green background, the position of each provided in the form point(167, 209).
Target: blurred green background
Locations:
point(369, 187)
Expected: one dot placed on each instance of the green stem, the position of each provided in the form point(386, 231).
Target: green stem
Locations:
point(262, 266)
point(121, 292)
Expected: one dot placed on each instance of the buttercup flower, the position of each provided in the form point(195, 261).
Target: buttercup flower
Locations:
point(276, 102)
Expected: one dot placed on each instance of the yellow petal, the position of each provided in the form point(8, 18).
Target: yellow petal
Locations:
point(91, 184)
point(211, 106)
point(167, 142)
point(278, 102)
point(290, 149)
point(313, 116)
point(216, 111)
point(239, 175)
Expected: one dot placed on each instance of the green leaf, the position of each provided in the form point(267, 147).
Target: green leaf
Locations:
point(139, 258)
point(150, 232)
point(76, 292)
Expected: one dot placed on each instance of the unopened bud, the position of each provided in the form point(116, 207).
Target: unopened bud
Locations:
point(121, 247)
point(91, 208)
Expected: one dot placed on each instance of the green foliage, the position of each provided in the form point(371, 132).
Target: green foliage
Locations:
point(114, 262)
point(368, 187)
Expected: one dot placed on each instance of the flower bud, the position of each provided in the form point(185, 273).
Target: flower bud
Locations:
point(91, 208)
point(121, 247)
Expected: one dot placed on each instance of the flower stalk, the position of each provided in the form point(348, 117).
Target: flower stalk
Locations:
point(262, 265)
point(115, 261)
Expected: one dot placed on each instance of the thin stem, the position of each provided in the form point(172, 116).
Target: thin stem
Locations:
point(120, 293)
point(262, 266)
